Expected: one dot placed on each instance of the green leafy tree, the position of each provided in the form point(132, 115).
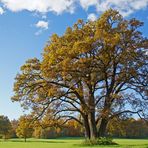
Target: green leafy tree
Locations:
point(93, 73)
point(128, 128)
point(5, 126)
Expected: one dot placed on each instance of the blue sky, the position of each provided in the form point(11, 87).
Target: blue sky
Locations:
point(25, 27)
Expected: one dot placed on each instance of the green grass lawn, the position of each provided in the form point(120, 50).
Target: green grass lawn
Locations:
point(69, 143)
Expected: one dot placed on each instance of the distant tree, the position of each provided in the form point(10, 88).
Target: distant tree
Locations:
point(38, 131)
point(5, 126)
point(48, 126)
point(73, 129)
point(46, 130)
point(14, 124)
point(128, 128)
point(25, 128)
point(93, 73)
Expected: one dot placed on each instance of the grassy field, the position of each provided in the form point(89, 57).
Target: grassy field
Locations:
point(70, 143)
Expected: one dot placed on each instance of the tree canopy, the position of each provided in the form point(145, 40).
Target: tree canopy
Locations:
point(93, 73)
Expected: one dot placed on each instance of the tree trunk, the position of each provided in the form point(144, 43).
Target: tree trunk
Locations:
point(105, 114)
point(4, 137)
point(25, 139)
point(92, 118)
point(86, 125)
point(93, 127)
point(102, 128)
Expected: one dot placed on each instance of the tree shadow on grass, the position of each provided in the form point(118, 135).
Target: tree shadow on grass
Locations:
point(36, 141)
point(134, 145)
point(112, 146)
point(105, 146)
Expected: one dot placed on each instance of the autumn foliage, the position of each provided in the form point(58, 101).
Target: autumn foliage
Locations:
point(93, 73)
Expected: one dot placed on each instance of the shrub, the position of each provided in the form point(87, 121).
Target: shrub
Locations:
point(106, 141)
point(99, 141)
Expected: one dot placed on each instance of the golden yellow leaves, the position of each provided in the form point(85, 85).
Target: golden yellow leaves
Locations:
point(52, 91)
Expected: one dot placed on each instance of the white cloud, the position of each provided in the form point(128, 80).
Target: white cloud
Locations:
point(92, 17)
point(42, 25)
point(42, 6)
point(1, 11)
point(125, 7)
point(87, 3)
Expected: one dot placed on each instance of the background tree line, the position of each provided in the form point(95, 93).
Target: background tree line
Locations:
point(23, 128)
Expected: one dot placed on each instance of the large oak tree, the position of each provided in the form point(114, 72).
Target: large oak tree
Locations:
point(92, 73)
